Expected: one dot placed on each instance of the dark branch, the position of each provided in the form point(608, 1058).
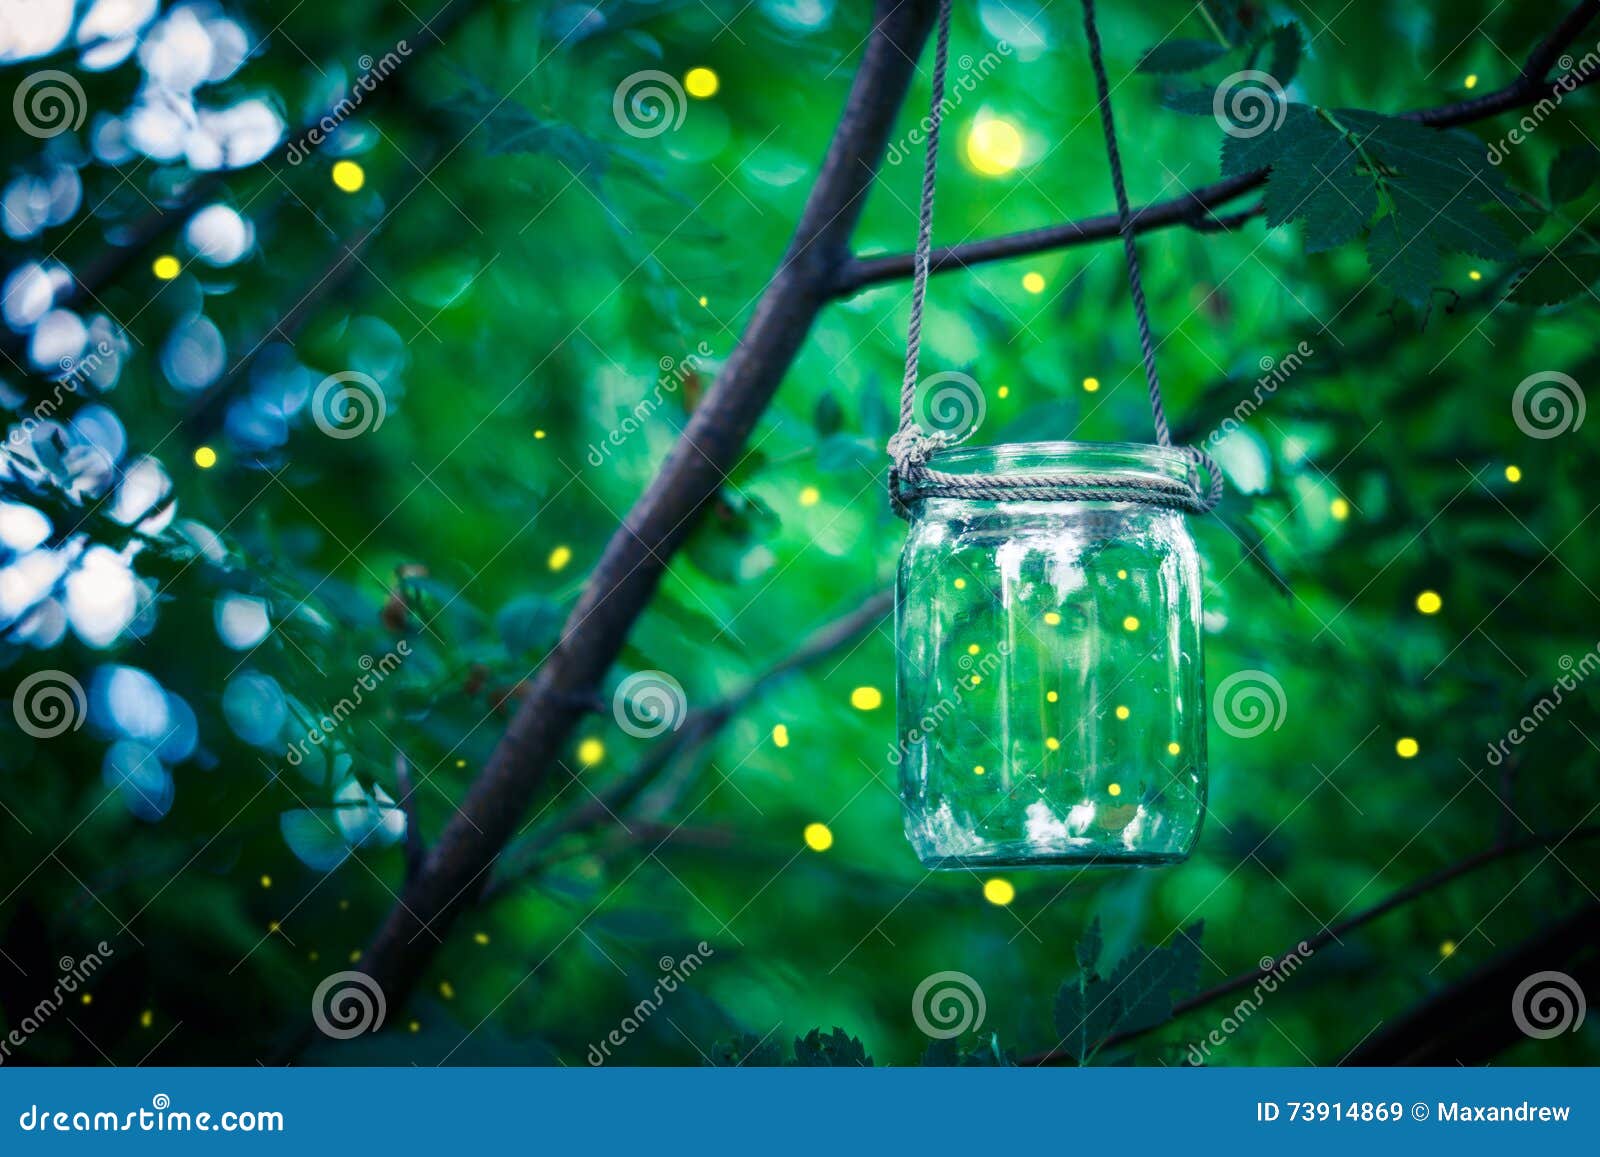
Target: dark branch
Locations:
point(626, 576)
point(1197, 208)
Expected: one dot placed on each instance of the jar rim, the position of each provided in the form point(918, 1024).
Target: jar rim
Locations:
point(1134, 459)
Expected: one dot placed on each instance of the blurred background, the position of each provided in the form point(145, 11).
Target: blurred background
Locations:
point(338, 340)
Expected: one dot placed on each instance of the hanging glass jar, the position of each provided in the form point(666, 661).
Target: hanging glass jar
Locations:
point(1051, 701)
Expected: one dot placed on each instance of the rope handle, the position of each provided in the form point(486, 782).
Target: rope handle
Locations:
point(911, 447)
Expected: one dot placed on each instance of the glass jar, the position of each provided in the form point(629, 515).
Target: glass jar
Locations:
point(1051, 691)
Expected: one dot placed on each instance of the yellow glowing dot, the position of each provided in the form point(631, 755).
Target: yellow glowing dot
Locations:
point(344, 905)
point(973, 649)
point(415, 1026)
point(1340, 509)
point(447, 990)
point(480, 938)
point(810, 496)
point(866, 699)
point(166, 267)
point(1114, 789)
point(1053, 743)
point(1475, 275)
point(1122, 574)
point(355, 956)
point(1406, 748)
point(1448, 948)
point(539, 435)
point(1471, 81)
point(1052, 618)
point(1130, 624)
point(1091, 384)
point(274, 926)
point(349, 176)
point(818, 837)
point(1051, 696)
point(994, 146)
point(701, 83)
point(1033, 282)
point(976, 679)
point(704, 300)
point(1004, 391)
point(591, 751)
point(461, 763)
point(1513, 474)
point(88, 998)
point(1123, 713)
point(560, 557)
point(313, 956)
point(1429, 602)
point(998, 891)
point(978, 770)
point(266, 881)
point(1173, 749)
point(780, 735)
point(147, 1018)
point(205, 457)
point(961, 584)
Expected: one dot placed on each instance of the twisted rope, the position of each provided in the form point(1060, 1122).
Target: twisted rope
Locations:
point(911, 447)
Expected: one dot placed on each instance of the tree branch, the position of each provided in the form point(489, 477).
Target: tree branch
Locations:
point(1335, 932)
point(1196, 208)
point(626, 576)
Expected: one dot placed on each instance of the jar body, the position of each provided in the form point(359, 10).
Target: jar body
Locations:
point(1051, 694)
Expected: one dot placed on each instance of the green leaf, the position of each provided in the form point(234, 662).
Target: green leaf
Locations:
point(748, 1051)
point(1288, 45)
point(1557, 277)
point(1572, 172)
point(1180, 56)
point(828, 417)
point(836, 1050)
point(1196, 102)
point(528, 624)
point(1138, 995)
point(1089, 947)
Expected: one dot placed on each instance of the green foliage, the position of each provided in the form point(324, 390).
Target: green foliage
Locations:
point(1137, 995)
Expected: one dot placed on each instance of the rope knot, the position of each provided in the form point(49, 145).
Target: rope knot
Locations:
point(911, 447)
